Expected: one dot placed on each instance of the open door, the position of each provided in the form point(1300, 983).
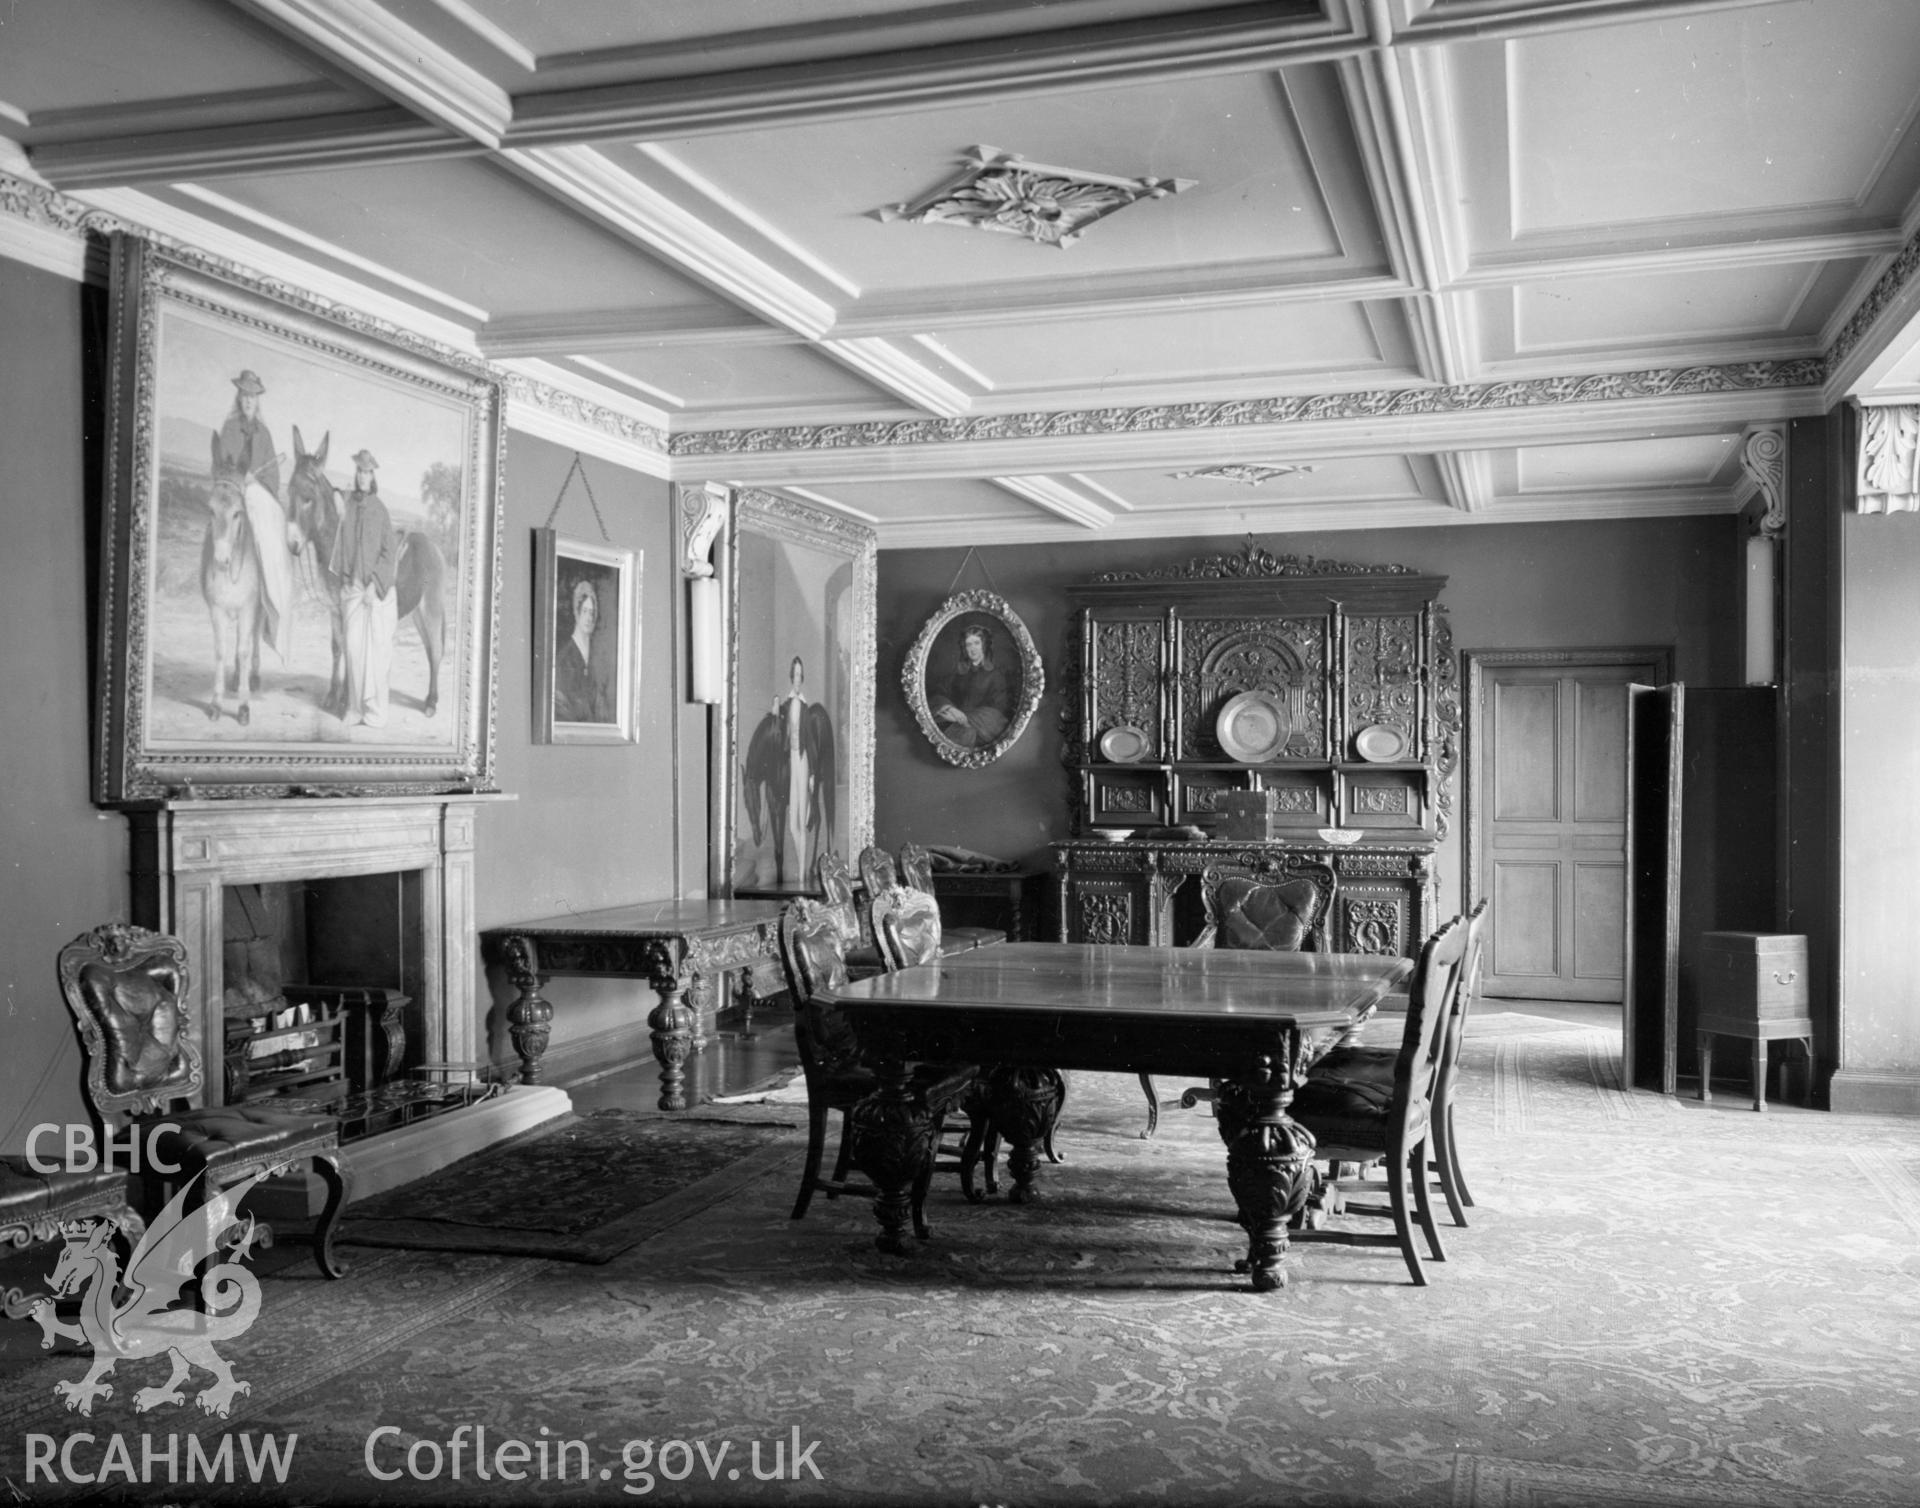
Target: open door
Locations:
point(1655, 716)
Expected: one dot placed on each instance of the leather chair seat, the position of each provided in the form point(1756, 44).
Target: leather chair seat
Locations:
point(232, 1132)
point(964, 939)
point(25, 1195)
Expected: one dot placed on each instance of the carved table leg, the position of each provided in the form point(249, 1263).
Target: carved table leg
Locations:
point(1269, 1166)
point(333, 1173)
point(670, 1023)
point(890, 1138)
point(1022, 1105)
point(530, 1017)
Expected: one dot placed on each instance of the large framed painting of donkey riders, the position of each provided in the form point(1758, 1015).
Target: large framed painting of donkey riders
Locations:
point(300, 545)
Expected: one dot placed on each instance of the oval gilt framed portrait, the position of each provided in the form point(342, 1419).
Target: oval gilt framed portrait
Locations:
point(973, 678)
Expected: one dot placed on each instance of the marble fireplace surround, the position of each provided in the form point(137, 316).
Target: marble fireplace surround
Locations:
point(184, 854)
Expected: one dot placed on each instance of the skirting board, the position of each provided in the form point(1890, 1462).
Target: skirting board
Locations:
point(406, 1153)
point(1875, 1093)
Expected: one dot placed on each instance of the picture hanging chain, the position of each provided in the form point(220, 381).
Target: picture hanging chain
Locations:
point(560, 496)
point(972, 555)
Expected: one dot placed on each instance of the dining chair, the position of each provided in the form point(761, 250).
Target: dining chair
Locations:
point(126, 989)
point(907, 923)
point(1362, 1121)
point(856, 930)
point(1282, 907)
point(916, 869)
point(837, 1074)
point(1376, 1063)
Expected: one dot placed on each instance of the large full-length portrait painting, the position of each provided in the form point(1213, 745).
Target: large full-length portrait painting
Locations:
point(801, 709)
point(300, 545)
point(973, 678)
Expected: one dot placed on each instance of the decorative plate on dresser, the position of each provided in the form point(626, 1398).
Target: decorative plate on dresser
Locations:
point(1253, 727)
point(1380, 743)
point(1124, 744)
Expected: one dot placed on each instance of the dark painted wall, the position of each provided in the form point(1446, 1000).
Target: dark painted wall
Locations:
point(591, 826)
point(1640, 582)
point(63, 865)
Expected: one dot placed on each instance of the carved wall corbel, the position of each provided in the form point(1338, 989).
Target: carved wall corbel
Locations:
point(1889, 459)
point(703, 514)
point(1763, 457)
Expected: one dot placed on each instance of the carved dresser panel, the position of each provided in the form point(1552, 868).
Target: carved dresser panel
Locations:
point(1330, 687)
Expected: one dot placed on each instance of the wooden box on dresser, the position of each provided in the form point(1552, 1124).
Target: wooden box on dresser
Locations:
point(1331, 687)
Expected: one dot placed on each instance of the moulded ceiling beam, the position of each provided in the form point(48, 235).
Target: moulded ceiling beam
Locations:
point(365, 39)
point(1228, 39)
point(299, 144)
point(1057, 498)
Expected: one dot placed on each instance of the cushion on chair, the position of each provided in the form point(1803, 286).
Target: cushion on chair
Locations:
point(26, 1195)
point(1350, 1111)
point(206, 1137)
point(1276, 916)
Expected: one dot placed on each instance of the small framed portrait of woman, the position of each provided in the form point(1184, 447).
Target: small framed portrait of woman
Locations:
point(973, 678)
point(586, 641)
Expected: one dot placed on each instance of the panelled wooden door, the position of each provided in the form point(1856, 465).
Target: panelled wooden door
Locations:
point(1551, 809)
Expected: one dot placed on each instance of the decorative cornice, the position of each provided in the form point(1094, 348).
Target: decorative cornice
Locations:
point(1253, 563)
point(570, 406)
point(1887, 288)
point(1764, 460)
point(1888, 479)
point(1253, 474)
point(1000, 192)
point(1312, 408)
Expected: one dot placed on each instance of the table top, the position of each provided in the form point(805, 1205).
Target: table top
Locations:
point(1082, 979)
point(675, 918)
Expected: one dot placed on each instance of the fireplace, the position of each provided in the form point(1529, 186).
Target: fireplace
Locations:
point(379, 891)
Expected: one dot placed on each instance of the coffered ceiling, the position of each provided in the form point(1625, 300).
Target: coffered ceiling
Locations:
point(1295, 264)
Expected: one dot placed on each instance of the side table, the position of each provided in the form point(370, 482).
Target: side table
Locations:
point(1009, 900)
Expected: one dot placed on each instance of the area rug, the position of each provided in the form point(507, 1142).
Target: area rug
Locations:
point(583, 1189)
point(1658, 1303)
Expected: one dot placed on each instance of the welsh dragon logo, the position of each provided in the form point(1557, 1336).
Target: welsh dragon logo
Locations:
point(126, 1317)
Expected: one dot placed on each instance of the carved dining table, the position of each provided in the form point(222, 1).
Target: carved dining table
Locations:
point(680, 947)
point(1253, 1022)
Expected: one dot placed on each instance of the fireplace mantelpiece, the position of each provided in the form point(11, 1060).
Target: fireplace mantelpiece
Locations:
point(186, 852)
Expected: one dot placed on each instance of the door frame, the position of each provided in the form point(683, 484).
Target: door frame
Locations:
point(1476, 664)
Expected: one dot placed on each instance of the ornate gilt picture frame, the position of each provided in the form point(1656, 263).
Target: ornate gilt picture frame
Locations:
point(973, 678)
point(586, 641)
point(300, 558)
point(800, 703)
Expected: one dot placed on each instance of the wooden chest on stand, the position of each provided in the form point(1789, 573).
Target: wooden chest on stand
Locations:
point(1754, 985)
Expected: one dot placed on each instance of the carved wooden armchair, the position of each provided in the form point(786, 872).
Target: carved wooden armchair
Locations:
point(837, 1075)
point(1358, 1118)
point(1282, 907)
point(125, 988)
point(916, 869)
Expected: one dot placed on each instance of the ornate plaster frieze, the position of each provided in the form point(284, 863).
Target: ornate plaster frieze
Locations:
point(1000, 192)
point(1887, 288)
point(1889, 460)
point(1252, 475)
point(1763, 457)
point(1377, 404)
point(564, 404)
point(1253, 562)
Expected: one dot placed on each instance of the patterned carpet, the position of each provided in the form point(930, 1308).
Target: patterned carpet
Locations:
point(1658, 1303)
